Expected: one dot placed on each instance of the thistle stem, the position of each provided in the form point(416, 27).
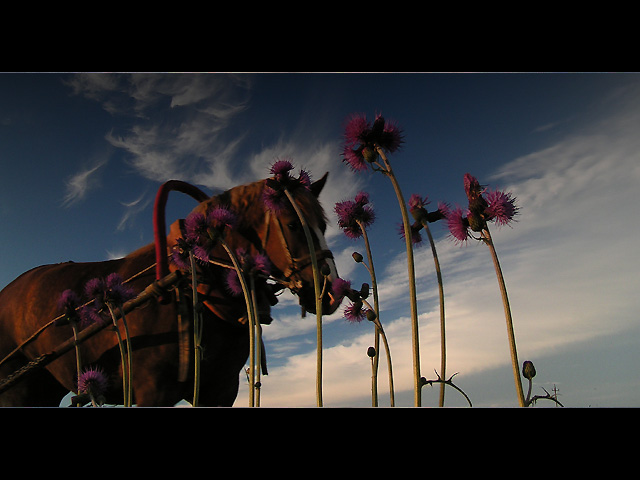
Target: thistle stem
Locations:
point(443, 347)
point(486, 236)
point(251, 314)
point(317, 289)
point(412, 283)
point(125, 370)
point(129, 358)
point(257, 344)
point(197, 331)
point(376, 306)
point(380, 331)
point(375, 359)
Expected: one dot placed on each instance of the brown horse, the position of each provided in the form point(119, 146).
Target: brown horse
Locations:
point(30, 301)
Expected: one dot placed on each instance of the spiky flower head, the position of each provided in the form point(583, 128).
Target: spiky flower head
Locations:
point(458, 225)
point(416, 236)
point(258, 264)
point(354, 215)
point(484, 206)
point(355, 312)
point(273, 196)
point(68, 304)
point(204, 231)
point(501, 207)
point(362, 138)
point(90, 314)
point(180, 254)
point(93, 381)
point(116, 291)
point(340, 288)
point(472, 187)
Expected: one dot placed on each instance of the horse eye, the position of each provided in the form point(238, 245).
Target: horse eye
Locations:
point(293, 226)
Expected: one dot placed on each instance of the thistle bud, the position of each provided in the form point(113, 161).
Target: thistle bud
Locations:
point(371, 352)
point(476, 222)
point(325, 270)
point(370, 154)
point(371, 315)
point(364, 290)
point(357, 257)
point(528, 370)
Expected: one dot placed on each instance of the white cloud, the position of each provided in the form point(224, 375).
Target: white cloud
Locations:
point(190, 144)
point(132, 209)
point(79, 184)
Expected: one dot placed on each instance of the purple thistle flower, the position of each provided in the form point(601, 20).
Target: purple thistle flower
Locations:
point(416, 236)
point(233, 283)
point(458, 225)
point(273, 195)
point(356, 129)
point(203, 231)
point(221, 217)
point(180, 254)
point(262, 264)
point(305, 179)
point(362, 198)
point(354, 312)
point(68, 304)
point(355, 159)
point(94, 288)
point(280, 169)
point(391, 137)
point(201, 253)
point(341, 288)
point(116, 291)
point(472, 187)
point(195, 226)
point(444, 209)
point(501, 208)
point(361, 137)
point(416, 202)
point(259, 263)
point(89, 315)
point(69, 301)
point(93, 381)
point(354, 215)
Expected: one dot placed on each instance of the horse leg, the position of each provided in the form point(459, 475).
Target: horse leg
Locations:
point(225, 354)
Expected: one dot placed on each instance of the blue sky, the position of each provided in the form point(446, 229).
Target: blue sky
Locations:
point(82, 157)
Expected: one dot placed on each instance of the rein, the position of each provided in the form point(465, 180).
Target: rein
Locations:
point(293, 273)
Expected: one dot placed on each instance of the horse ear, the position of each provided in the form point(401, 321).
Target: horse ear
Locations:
point(318, 185)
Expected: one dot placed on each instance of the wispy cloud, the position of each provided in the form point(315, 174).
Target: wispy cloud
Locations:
point(180, 127)
point(79, 184)
point(569, 266)
point(132, 209)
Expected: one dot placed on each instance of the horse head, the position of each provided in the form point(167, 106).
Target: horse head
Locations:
point(278, 234)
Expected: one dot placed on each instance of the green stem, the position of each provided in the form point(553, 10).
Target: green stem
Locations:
point(197, 331)
point(380, 330)
point(486, 236)
point(412, 283)
point(251, 315)
point(443, 348)
point(376, 357)
point(74, 326)
point(129, 358)
point(257, 342)
point(125, 373)
point(318, 295)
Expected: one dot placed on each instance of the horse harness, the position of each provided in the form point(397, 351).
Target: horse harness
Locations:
point(291, 278)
